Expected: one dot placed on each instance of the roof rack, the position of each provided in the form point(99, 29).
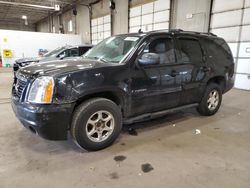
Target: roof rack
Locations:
point(182, 31)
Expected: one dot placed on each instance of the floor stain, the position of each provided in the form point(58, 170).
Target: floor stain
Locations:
point(132, 132)
point(119, 158)
point(146, 167)
point(114, 175)
point(123, 144)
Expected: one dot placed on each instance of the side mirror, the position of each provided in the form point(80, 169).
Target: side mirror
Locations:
point(61, 56)
point(149, 59)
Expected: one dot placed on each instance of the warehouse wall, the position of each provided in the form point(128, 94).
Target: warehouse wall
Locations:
point(80, 23)
point(231, 20)
point(191, 15)
point(16, 26)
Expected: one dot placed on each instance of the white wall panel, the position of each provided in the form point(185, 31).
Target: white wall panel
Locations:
point(242, 81)
point(94, 29)
point(134, 29)
point(162, 16)
point(246, 17)
point(233, 48)
point(245, 34)
point(145, 16)
point(147, 19)
point(94, 36)
point(147, 8)
point(107, 27)
point(230, 34)
point(243, 66)
point(148, 27)
point(93, 22)
point(225, 19)
point(224, 5)
point(135, 11)
point(163, 25)
point(244, 50)
point(247, 3)
point(106, 34)
point(100, 20)
point(136, 21)
point(161, 5)
point(101, 28)
point(107, 19)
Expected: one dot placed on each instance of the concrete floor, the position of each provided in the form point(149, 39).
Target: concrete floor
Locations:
point(218, 157)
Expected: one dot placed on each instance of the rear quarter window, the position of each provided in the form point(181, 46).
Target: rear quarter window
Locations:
point(218, 50)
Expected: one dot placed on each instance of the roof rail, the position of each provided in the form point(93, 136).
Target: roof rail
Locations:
point(181, 31)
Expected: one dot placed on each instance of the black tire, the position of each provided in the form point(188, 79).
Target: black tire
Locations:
point(203, 107)
point(81, 116)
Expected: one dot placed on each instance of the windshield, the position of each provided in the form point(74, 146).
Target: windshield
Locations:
point(54, 52)
point(112, 49)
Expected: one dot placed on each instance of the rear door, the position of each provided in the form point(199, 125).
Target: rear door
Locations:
point(192, 68)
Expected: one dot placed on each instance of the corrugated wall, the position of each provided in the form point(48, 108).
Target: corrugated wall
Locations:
point(231, 20)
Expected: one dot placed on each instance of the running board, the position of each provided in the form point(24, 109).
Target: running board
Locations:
point(157, 114)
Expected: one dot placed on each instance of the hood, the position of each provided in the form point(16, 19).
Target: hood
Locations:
point(51, 68)
point(28, 59)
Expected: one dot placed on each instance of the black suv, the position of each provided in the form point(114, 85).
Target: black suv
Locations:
point(56, 54)
point(124, 79)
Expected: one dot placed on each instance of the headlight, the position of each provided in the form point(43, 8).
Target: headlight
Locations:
point(41, 90)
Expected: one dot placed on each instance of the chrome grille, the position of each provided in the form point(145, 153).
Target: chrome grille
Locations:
point(20, 84)
point(19, 87)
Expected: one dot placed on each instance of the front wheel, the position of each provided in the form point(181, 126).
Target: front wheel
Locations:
point(96, 124)
point(211, 100)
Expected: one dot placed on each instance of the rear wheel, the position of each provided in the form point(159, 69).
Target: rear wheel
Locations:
point(211, 100)
point(96, 124)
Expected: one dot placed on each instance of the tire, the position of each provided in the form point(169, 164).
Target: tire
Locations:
point(208, 106)
point(92, 117)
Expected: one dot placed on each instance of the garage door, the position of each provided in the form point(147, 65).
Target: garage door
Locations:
point(149, 16)
point(100, 28)
point(231, 20)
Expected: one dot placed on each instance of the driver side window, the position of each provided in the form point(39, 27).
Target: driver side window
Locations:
point(164, 48)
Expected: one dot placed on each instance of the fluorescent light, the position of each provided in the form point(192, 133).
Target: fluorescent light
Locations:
point(24, 17)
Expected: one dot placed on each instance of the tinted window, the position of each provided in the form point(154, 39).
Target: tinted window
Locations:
point(190, 50)
point(164, 48)
point(217, 50)
point(83, 50)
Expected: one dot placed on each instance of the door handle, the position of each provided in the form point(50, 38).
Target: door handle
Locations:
point(174, 73)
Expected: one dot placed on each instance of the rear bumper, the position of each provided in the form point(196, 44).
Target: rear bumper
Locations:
point(229, 84)
point(48, 121)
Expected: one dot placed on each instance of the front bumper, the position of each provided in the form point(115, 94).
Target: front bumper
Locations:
point(48, 121)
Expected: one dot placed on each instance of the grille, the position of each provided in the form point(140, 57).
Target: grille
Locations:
point(20, 86)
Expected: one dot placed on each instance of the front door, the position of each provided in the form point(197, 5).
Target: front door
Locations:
point(155, 87)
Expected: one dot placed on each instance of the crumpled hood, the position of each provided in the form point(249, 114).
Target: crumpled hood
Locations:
point(62, 66)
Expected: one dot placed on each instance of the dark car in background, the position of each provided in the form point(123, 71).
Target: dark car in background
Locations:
point(56, 54)
point(123, 79)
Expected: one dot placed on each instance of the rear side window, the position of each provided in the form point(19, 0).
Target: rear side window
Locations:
point(190, 50)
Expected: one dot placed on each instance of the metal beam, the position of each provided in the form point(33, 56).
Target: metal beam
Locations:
point(27, 5)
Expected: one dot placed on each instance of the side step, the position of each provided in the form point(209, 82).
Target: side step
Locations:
point(157, 114)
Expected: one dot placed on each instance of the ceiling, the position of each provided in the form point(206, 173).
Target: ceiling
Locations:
point(11, 14)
